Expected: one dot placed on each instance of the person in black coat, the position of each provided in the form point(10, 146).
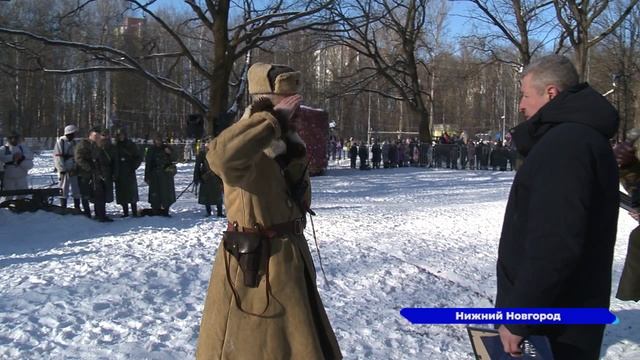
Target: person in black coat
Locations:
point(556, 247)
point(353, 154)
point(363, 154)
point(376, 155)
point(498, 157)
point(211, 188)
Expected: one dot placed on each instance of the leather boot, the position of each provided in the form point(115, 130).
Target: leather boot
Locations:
point(134, 209)
point(86, 208)
point(219, 212)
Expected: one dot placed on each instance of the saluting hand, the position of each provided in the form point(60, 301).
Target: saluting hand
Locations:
point(289, 107)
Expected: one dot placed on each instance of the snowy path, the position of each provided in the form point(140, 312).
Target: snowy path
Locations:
point(73, 288)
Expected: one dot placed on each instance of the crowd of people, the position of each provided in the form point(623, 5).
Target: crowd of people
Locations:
point(452, 152)
point(92, 169)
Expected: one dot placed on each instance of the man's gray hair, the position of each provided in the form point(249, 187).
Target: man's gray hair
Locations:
point(556, 70)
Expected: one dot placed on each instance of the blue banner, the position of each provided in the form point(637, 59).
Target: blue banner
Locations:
point(509, 316)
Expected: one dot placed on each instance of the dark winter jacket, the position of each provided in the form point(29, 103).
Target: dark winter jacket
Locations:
point(94, 163)
point(159, 171)
point(363, 153)
point(556, 247)
point(210, 184)
point(91, 161)
point(353, 151)
point(109, 157)
point(376, 153)
point(128, 158)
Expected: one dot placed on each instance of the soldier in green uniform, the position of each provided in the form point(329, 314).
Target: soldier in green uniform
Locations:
point(210, 192)
point(160, 168)
point(94, 168)
point(128, 160)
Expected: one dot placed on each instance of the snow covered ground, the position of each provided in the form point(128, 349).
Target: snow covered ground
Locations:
point(73, 288)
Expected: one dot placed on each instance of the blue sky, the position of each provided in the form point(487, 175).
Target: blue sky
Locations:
point(457, 25)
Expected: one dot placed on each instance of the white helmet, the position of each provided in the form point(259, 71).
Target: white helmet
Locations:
point(70, 129)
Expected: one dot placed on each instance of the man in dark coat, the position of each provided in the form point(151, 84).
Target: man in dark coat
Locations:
point(499, 157)
point(393, 155)
point(94, 172)
point(483, 151)
point(159, 170)
point(353, 154)
point(210, 191)
point(128, 160)
point(363, 153)
point(559, 231)
point(376, 155)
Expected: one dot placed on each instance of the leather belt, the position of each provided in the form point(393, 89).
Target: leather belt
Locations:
point(293, 227)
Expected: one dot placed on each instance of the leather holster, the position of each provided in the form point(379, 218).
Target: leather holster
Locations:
point(247, 249)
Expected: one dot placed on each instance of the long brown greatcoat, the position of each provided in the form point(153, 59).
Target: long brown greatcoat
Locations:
point(295, 325)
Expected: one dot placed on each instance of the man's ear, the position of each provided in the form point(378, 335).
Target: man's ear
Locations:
point(552, 91)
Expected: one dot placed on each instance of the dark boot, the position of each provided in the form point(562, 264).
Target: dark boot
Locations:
point(86, 209)
point(101, 212)
point(63, 202)
point(219, 212)
point(125, 210)
point(76, 203)
point(208, 209)
point(165, 212)
point(134, 209)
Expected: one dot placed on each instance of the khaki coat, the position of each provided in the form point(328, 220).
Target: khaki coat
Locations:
point(295, 324)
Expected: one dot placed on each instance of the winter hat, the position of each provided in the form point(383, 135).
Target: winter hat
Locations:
point(273, 79)
point(70, 129)
point(96, 129)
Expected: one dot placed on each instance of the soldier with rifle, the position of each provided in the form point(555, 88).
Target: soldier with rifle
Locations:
point(93, 173)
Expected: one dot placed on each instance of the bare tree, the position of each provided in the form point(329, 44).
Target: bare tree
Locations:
point(578, 18)
point(387, 37)
point(227, 40)
point(615, 66)
point(519, 23)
